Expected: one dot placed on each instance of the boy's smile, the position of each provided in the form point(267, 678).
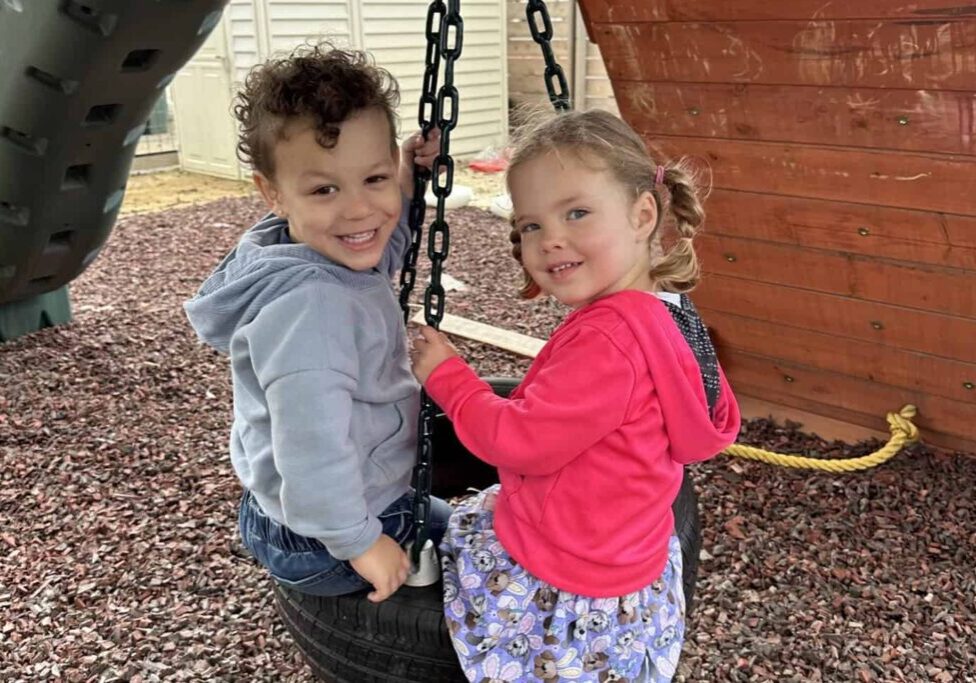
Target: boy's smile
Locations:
point(342, 202)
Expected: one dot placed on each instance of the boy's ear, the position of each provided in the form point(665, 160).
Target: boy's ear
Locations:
point(645, 219)
point(269, 192)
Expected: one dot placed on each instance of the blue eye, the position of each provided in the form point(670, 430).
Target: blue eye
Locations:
point(576, 214)
point(528, 227)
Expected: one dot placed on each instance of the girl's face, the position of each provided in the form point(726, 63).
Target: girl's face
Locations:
point(583, 235)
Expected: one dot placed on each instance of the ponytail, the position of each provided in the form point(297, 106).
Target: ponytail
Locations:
point(678, 270)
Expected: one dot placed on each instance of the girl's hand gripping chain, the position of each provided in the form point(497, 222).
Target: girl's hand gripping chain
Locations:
point(430, 349)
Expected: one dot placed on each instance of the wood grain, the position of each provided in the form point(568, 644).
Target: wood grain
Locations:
point(855, 358)
point(926, 54)
point(902, 234)
point(614, 11)
point(908, 285)
point(904, 180)
point(887, 325)
point(904, 119)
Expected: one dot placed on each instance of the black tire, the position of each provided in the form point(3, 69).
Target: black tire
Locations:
point(687, 526)
point(348, 639)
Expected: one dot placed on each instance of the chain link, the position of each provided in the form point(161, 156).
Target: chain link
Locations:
point(421, 175)
point(556, 84)
point(438, 107)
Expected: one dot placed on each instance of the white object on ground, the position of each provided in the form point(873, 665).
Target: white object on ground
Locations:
point(501, 206)
point(460, 196)
point(451, 284)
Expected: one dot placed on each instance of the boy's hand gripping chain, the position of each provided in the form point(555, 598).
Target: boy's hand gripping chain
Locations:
point(437, 107)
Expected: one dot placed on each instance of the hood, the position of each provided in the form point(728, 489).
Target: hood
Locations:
point(263, 266)
point(695, 433)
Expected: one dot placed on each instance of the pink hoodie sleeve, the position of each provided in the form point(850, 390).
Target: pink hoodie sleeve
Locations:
point(579, 394)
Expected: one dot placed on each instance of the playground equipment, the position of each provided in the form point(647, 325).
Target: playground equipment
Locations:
point(79, 81)
point(840, 244)
point(840, 247)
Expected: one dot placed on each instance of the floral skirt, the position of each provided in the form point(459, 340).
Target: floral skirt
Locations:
point(508, 625)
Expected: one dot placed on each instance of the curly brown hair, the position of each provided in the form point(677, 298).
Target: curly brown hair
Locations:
point(320, 82)
point(599, 137)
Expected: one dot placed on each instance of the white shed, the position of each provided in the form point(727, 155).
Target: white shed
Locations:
point(392, 30)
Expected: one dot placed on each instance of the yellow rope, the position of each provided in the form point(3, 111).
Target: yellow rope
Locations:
point(899, 424)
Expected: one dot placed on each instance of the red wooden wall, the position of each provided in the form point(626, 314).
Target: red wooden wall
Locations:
point(840, 245)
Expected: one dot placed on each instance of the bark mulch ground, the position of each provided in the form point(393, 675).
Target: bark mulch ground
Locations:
point(118, 558)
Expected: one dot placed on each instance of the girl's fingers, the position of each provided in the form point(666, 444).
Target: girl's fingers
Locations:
point(428, 333)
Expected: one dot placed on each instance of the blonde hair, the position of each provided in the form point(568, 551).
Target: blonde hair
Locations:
point(601, 136)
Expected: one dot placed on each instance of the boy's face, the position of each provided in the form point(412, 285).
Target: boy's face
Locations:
point(342, 202)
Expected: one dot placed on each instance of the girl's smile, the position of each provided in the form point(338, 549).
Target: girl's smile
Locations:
point(564, 270)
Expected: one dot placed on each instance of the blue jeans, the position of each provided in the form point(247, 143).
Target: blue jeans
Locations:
point(304, 564)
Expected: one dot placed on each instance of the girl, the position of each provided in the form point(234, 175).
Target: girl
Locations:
point(570, 569)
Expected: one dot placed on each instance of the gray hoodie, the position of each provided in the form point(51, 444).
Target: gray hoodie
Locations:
point(325, 406)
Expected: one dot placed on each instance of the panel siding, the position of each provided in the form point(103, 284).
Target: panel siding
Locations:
point(242, 31)
point(527, 67)
point(399, 45)
point(291, 22)
point(393, 31)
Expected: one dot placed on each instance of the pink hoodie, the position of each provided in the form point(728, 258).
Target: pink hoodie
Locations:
point(590, 447)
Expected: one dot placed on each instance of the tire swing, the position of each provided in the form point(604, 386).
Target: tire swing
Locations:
point(348, 639)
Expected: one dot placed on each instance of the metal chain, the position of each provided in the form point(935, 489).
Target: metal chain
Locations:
point(443, 44)
point(421, 175)
point(558, 90)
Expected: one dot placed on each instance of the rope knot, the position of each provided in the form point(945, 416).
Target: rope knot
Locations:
point(900, 423)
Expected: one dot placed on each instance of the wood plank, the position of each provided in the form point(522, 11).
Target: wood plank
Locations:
point(905, 180)
point(920, 236)
point(929, 54)
point(522, 344)
point(913, 120)
point(795, 407)
point(614, 11)
point(936, 414)
point(853, 357)
point(932, 333)
point(916, 286)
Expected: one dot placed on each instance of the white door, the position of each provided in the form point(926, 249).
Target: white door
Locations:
point(205, 127)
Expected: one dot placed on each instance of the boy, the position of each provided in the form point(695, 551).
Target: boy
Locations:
point(325, 407)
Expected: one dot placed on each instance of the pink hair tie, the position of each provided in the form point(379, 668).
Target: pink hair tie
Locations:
point(659, 176)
